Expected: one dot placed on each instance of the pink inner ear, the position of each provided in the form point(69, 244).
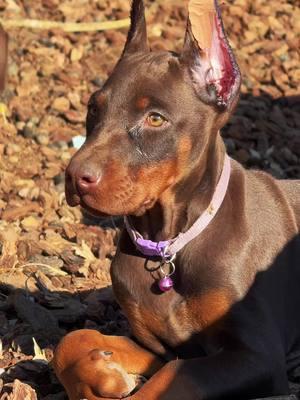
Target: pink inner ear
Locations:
point(217, 65)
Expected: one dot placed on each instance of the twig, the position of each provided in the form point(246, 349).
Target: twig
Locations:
point(65, 26)
point(55, 271)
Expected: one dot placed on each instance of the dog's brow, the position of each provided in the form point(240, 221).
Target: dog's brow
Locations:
point(142, 102)
point(151, 99)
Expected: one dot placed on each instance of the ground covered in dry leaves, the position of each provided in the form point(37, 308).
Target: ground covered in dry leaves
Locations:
point(54, 261)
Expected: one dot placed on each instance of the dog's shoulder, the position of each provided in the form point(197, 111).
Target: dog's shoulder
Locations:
point(265, 194)
point(291, 189)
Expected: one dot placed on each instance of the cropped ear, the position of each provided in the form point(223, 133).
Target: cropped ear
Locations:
point(3, 57)
point(137, 35)
point(208, 55)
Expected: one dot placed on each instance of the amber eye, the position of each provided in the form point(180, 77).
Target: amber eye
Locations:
point(156, 120)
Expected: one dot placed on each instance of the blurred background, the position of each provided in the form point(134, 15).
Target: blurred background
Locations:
point(52, 257)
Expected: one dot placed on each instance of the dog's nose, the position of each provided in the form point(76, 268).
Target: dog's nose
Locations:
point(86, 180)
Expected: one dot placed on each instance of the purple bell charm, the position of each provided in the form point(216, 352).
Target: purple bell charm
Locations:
point(165, 284)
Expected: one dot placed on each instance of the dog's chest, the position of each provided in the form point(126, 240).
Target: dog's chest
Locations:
point(147, 308)
point(170, 318)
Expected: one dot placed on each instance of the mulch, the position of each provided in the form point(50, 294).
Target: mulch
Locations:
point(55, 260)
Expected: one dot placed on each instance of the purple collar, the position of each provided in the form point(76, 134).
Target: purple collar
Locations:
point(168, 248)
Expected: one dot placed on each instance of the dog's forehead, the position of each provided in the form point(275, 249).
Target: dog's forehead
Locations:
point(143, 67)
point(147, 74)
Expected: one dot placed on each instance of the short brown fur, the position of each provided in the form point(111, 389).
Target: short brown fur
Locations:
point(229, 328)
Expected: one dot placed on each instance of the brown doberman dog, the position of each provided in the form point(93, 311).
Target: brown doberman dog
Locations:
point(226, 319)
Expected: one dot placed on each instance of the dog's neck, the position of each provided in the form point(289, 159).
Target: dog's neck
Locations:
point(179, 206)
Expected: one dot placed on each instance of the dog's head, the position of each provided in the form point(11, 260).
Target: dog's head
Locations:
point(155, 116)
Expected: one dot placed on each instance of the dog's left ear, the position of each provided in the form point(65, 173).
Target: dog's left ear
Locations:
point(137, 35)
point(208, 56)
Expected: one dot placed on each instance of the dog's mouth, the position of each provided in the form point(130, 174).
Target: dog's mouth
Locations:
point(93, 211)
point(74, 198)
point(87, 204)
point(96, 209)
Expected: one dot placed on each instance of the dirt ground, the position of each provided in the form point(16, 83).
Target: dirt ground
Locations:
point(54, 260)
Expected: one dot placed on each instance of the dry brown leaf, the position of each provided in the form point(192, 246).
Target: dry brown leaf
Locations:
point(9, 238)
point(85, 252)
point(53, 243)
point(22, 391)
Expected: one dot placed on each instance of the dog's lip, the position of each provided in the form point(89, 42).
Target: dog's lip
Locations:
point(73, 199)
point(97, 213)
point(91, 210)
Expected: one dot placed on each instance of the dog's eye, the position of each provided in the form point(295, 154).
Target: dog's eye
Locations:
point(156, 120)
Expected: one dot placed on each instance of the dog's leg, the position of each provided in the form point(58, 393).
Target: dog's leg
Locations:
point(83, 373)
point(132, 357)
point(251, 363)
point(195, 379)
